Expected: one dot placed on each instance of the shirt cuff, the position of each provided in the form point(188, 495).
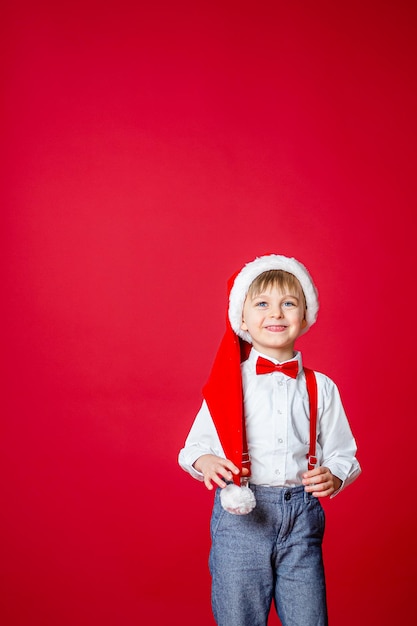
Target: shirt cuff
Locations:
point(346, 479)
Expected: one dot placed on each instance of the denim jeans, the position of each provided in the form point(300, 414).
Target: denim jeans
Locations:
point(273, 553)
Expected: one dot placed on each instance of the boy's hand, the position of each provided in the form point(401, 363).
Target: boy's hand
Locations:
point(214, 468)
point(320, 482)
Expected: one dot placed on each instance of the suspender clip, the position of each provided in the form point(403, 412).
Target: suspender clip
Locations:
point(312, 461)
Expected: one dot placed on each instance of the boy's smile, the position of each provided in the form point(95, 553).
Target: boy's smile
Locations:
point(274, 319)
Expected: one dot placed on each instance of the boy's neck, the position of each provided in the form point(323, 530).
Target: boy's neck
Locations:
point(278, 355)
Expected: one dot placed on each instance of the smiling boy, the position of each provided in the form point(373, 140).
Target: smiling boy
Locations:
point(257, 401)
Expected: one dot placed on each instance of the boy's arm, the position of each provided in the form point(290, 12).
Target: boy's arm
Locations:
point(336, 445)
point(202, 440)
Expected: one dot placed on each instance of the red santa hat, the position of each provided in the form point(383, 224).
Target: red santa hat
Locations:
point(223, 391)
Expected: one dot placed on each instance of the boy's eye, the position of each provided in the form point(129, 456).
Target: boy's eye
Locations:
point(289, 303)
point(261, 304)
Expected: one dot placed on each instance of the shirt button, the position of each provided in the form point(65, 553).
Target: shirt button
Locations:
point(277, 472)
point(280, 440)
point(280, 383)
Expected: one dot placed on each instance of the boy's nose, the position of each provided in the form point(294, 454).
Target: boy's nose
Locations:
point(276, 312)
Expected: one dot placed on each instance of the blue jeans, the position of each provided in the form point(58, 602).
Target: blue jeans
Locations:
point(273, 553)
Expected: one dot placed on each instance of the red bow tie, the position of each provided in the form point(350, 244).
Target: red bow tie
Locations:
point(263, 366)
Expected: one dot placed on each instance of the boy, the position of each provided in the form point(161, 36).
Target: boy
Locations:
point(260, 402)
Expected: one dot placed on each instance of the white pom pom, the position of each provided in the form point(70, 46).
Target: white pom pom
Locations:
point(237, 500)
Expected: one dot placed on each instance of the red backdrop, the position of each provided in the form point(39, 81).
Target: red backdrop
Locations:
point(150, 149)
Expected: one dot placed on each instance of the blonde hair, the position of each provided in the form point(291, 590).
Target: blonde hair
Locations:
point(276, 278)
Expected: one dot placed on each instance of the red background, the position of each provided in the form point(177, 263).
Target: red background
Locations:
point(149, 150)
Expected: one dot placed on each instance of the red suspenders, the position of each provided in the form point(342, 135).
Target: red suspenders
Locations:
point(312, 397)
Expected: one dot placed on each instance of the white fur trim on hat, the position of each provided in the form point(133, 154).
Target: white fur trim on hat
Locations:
point(263, 264)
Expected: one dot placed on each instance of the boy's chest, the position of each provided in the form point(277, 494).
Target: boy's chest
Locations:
point(276, 410)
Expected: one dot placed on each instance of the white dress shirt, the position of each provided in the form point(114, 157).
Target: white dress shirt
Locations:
point(278, 429)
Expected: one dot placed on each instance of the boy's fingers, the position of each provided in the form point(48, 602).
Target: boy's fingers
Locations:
point(216, 479)
point(317, 475)
point(215, 469)
point(208, 484)
point(216, 475)
point(230, 466)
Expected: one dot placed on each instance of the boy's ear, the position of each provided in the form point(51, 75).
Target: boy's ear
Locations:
point(304, 323)
point(243, 326)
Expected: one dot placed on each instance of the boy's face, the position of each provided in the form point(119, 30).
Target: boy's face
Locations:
point(274, 319)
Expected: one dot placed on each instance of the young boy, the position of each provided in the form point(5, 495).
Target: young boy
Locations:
point(260, 401)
